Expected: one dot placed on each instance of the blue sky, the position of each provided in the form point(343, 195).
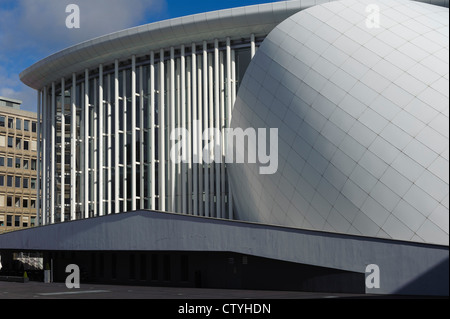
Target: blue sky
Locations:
point(30, 30)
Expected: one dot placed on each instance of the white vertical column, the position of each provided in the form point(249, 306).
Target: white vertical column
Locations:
point(133, 132)
point(86, 144)
point(229, 104)
point(178, 163)
point(53, 157)
point(95, 151)
point(222, 140)
point(116, 139)
point(172, 111)
point(189, 138)
point(183, 126)
point(217, 143)
point(195, 192)
point(73, 148)
point(162, 140)
point(233, 99)
point(152, 131)
point(199, 136)
point(63, 149)
point(100, 140)
point(252, 46)
point(141, 137)
point(205, 124)
point(125, 139)
point(109, 148)
point(44, 181)
point(209, 163)
point(38, 160)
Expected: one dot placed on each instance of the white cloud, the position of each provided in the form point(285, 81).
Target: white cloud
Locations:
point(32, 29)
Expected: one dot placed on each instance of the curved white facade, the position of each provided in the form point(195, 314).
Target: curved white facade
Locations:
point(363, 115)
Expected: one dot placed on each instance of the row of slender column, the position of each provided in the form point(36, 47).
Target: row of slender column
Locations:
point(195, 91)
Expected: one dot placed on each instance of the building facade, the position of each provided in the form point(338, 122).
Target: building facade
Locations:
point(18, 166)
point(358, 182)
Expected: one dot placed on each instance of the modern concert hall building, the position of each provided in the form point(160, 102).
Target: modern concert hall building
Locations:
point(358, 94)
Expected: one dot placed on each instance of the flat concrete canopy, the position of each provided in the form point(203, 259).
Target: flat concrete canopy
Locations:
point(404, 267)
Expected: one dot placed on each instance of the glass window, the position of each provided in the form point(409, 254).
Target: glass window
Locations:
point(17, 221)
point(17, 201)
point(2, 140)
point(18, 124)
point(26, 125)
point(10, 162)
point(10, 141)
point(2, 161)
point(33, 127)
point(2, 121)
point(33, 183)
point(25, 203)
point(10, 122)
point(17, 181)
point(18, 143)
point(18, 162)
point(25, 145)
point(33, 204)
point(9, 181)
point(25, 164)
point(25, 182)
point(9, 220)
point(2, 180)
point(9, 201)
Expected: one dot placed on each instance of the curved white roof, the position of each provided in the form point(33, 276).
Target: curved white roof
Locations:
point(233, 23)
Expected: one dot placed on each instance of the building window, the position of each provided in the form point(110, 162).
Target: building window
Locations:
point(17, 182)
point(18, 162)
point(33, 164)
point(33, 127)
point(18, 143)
point(33, 221)
point(25, 145)
point(10, 122)
point(9, 181)
point(9, 201)
point(18, 124)
point(25, 203)
point(33, 203)
point(25, 164)
point(2, 140)
point(10, 162)
point(9, 220)
point(2, 180)
point(10, 141)
point(2, 161)
point(17, 201)
point(25, 182)
point(2, 121)
point(33, 183)
point(26, 125)
point(17, 221)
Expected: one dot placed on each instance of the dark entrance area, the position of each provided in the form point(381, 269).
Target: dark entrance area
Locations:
point(198, 269)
